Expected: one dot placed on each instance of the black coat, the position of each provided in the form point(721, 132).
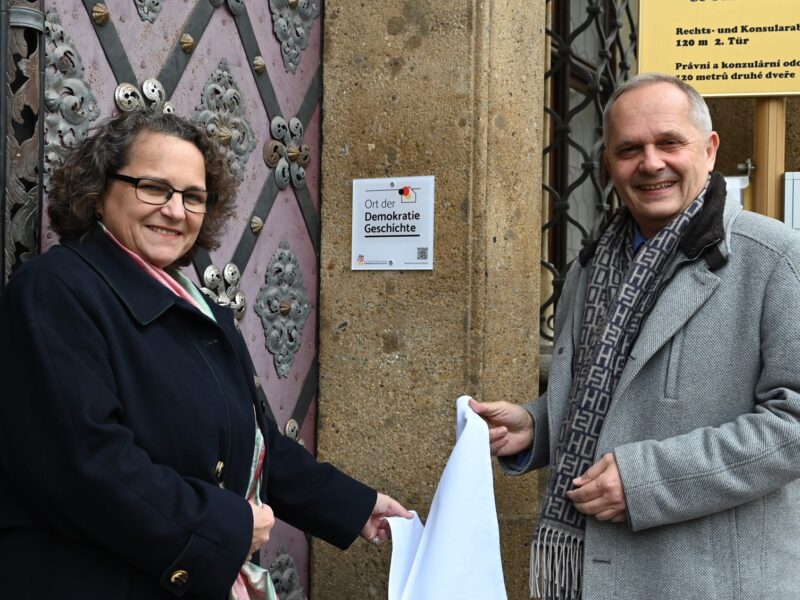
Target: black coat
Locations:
point(119, 399)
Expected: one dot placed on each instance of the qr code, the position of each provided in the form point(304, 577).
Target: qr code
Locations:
point(422, 253)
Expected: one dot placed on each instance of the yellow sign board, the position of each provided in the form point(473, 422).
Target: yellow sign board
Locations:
point(723, 47)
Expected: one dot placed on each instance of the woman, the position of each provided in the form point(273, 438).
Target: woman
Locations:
point(135, 461)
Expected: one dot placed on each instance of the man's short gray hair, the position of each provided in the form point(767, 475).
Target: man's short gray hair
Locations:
point(698, 109)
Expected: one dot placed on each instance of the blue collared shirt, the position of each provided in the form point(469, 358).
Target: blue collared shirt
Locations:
point(638, 238)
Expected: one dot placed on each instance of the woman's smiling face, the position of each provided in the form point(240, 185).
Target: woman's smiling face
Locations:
point(158, 234)
point(658, 158)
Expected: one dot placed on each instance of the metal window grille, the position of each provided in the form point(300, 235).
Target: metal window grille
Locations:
point(592, 48)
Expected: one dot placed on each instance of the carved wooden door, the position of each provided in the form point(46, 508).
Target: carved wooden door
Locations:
point(249, 73)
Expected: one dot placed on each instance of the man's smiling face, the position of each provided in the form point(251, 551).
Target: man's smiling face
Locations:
point(658, 158)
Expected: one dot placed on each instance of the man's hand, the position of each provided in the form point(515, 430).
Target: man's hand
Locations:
point(376, 529)
point(510, 426)
point(263, 522)
point(599, 492)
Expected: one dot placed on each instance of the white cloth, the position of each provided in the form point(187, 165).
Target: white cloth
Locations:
point(457, 553)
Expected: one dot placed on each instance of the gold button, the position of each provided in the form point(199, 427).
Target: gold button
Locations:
point(219, 469)
point(179, 577)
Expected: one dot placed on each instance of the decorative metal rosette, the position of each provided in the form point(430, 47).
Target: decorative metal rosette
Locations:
point(286, 153)
point(291, 22)
point(285, 577)
point(148, 9)
point(223, 288)
point(283, 307)
point(128, 98)
point(235, 6)
point(222, 115)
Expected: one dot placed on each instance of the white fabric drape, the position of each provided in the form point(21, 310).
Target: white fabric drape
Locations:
point(457, 553)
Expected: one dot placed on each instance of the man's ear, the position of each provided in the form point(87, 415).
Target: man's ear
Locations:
point(711, 150)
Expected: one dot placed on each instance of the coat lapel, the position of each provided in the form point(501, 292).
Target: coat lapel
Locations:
point(145, 298)
point(679, 300)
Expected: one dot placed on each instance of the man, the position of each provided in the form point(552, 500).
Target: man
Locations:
point(671, 423)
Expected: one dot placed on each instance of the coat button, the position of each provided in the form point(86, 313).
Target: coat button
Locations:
point(179, 577)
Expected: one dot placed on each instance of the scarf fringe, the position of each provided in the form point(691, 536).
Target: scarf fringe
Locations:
point(556, 565)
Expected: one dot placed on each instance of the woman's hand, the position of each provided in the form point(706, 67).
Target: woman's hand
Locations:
point(263, 522)
point(377, 529)
point(511, 427)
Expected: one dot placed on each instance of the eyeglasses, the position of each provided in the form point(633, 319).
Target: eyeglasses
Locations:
point(152, 191)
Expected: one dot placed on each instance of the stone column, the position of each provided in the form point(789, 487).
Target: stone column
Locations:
point(455, 90)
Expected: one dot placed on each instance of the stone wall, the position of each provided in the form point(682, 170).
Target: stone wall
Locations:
point(451, 89)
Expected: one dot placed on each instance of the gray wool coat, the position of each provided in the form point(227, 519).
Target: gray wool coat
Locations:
point(704, 423)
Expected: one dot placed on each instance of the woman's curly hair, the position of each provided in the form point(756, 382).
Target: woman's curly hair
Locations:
point(77, 187)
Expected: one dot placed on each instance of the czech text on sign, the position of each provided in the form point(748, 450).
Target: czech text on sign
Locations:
point(723, 47)
point(393, 223)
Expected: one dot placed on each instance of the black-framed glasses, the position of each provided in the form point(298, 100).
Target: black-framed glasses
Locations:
point(153, 191)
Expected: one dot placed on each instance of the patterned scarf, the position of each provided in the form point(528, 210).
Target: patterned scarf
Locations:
point(253, 581)
point(620, 293)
